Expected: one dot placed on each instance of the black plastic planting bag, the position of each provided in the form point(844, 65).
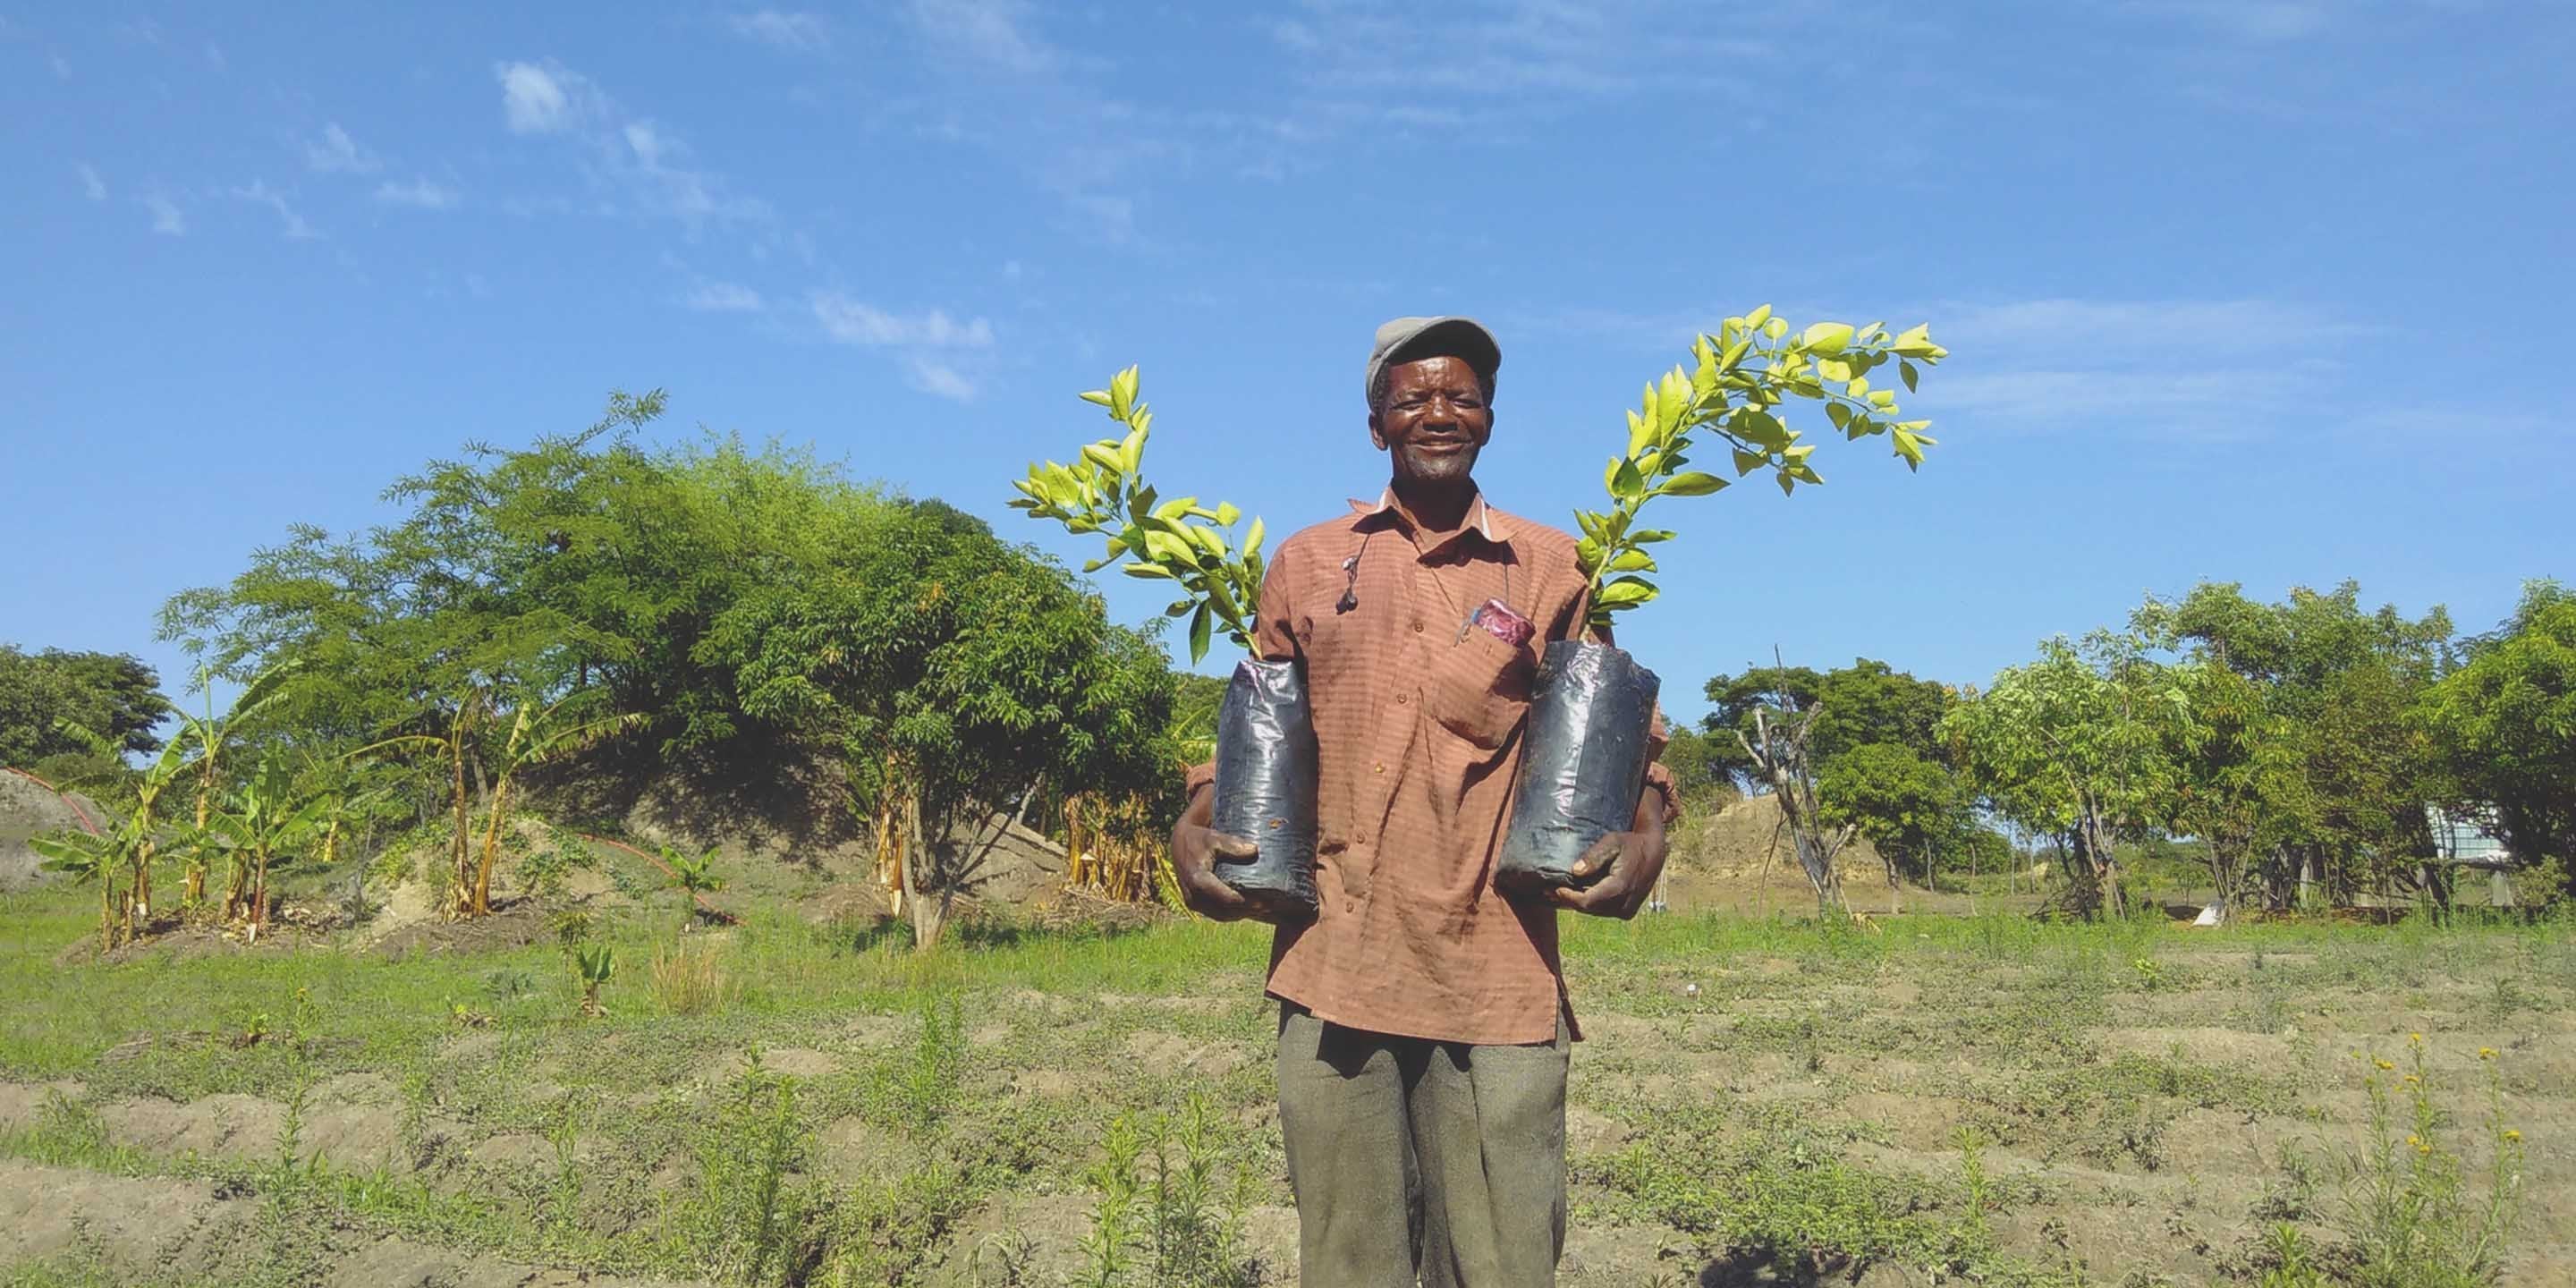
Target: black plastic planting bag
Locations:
point(1265, 786)
point(1591, 708)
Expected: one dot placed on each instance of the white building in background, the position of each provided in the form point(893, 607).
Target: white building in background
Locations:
point(2462, 840)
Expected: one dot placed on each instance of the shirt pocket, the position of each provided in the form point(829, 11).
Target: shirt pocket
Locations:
point(1480, 688)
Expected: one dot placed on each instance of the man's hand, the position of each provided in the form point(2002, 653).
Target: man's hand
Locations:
point(1630, 863)
point(1196, 847)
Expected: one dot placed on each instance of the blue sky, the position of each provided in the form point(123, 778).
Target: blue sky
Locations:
point(2268, 290)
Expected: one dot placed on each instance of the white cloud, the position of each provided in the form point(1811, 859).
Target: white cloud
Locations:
point(336, 153)
point(928, 343)
point(939, 378)
point(989, 30)
point(424, 193)
point(2179, 368)
point(62, 68)
point(91, 184)
point(543, 100)
point(722, 297)
point(632, 153)
point(215, 56)
point(856, 322)
point(802, 32)
point(259, 193)
point(647, 144)
point(166, 219)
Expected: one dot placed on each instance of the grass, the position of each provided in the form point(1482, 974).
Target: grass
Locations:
point(1990, 1099)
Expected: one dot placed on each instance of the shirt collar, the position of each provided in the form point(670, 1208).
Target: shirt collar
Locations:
point(1481, 518)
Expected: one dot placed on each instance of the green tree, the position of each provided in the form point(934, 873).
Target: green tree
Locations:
point(2075, 745)
point(2502, 727)
point(1910, 809)
point(953, 671)
point(2237, 785)
point(112, 695)
point(2320, 726)
point(1859, 705)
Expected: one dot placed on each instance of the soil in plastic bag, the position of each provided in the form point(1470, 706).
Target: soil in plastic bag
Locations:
point(1265, 786)
point(1591, 709)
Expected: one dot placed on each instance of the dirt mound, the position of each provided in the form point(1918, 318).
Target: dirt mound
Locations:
point(29, 808)
point(766, 807)
point(777, 816)
point(1739, 859)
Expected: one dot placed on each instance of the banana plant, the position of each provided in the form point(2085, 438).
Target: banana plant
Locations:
point(264, 826)
point(1731, 392)
point(211, 733)
point(93, 856)
point(692, 877)
point(538, 731)
point(138, 837)
point(595, 964)
point(1103, 490)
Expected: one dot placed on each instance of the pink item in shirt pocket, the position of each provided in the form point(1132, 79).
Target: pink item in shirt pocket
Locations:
point(1502, 623)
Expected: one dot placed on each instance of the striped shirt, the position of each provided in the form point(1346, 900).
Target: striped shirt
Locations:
point(1416, 717)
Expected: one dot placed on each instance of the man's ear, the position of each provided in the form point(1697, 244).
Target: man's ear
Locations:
point(1377, 432)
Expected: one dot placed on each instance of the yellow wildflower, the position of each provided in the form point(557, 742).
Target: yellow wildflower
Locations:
point(2411, 1078)
point(2415, 1039)
point(2511, 1135)
point(2486, 1053)
point(2383, 1064)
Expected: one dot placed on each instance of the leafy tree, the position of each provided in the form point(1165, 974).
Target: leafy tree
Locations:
point(2503, 727)
point(111, 695)
point(953, 670)
point(1859, 705)
point(2075, 745)
point(2237, 783)
point(1911, 809)
point(2327, 686)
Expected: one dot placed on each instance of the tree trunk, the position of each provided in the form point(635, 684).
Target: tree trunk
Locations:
point(2307, 877)
point(929, 906)
point(491, 848)
point(143, 878)
point(258, 892)
point(461, 849)
point(2096, 867)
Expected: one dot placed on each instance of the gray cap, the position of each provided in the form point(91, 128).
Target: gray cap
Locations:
point(1405, 339)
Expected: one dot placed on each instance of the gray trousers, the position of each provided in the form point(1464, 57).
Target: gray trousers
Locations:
point(1413, 1158)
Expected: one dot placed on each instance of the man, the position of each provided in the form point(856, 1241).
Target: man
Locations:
point(1424, 1023)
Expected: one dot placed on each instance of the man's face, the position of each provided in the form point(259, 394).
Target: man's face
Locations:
point(1434, 421)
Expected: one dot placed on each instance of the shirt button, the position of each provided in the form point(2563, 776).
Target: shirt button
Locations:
point(1402, 698)
point(1417, 626)
point(1381, 767)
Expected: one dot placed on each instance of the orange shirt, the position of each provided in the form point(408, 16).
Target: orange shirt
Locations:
point(1416, 725)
